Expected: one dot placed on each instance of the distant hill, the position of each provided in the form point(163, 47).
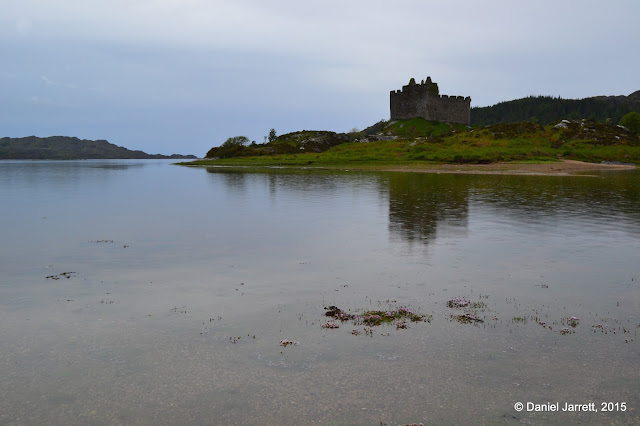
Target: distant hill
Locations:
point(547, 109)
point(69, 148)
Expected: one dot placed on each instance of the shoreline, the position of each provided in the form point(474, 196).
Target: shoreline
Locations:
point(560, 168)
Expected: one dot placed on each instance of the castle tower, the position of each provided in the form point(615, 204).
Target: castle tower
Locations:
point(424, 100)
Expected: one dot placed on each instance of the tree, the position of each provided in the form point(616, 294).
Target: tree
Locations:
point(235, 141)
point(631, 121)
point(232, 147)
point(272, 135)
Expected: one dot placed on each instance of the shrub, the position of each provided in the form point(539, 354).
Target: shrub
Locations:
point(631, 121)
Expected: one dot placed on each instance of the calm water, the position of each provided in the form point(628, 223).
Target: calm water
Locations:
point(137, 292)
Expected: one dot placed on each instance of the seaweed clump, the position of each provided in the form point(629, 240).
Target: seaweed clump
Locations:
point(337, 313)
point(398, 316)
point(471, 310)
point(458, 303)
point(467, 319)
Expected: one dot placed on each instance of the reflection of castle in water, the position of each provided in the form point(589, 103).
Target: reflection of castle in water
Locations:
point(421, 205)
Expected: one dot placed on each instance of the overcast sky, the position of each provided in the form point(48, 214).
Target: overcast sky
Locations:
point(181, 76)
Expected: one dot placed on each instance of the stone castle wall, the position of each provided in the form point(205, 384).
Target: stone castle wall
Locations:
point(424, 100)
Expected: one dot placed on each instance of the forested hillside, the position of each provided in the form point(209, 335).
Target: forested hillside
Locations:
point(547, 109)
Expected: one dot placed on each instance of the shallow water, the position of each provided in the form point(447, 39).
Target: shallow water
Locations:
point(137, 292)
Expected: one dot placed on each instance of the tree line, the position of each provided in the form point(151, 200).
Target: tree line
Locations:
point(547, 109)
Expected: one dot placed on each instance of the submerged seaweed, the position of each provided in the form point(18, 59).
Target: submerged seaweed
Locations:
point(398, 316)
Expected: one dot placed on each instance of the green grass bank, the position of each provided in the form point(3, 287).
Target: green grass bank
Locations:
point(418, 142)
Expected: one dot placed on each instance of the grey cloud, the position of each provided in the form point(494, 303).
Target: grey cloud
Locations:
point(148, 73)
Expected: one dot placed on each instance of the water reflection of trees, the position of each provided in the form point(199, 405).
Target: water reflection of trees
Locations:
point(611, 199)
point(303, 182)
point(235, 180)
point(425, 206)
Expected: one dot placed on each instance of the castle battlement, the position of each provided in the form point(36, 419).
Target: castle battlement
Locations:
point(424, 100)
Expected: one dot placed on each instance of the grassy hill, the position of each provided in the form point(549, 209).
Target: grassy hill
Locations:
point(68, 148)
point(417, 141)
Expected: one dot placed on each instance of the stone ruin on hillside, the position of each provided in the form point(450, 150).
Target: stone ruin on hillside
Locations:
point(424, 100)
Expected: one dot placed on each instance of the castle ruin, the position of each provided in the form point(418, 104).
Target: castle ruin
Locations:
point(424, 100)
